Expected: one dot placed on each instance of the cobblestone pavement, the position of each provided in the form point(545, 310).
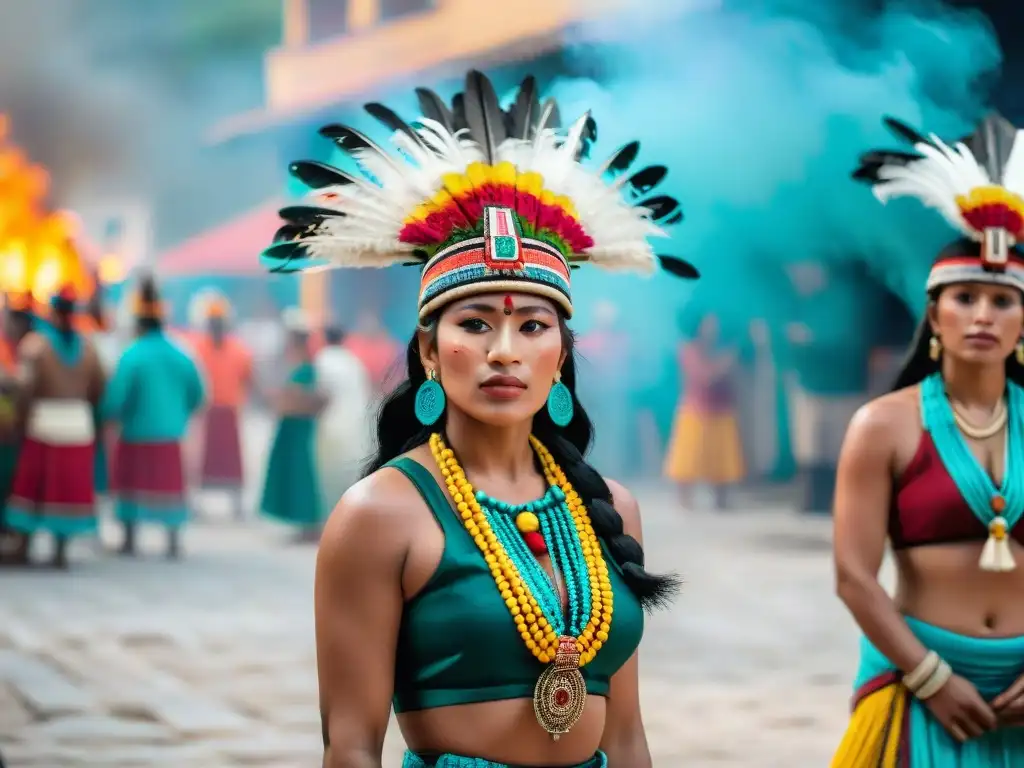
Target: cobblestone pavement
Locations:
point(210, 662)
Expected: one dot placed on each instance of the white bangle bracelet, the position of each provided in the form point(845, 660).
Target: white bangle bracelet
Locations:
point(935, 683)
point(920, 674)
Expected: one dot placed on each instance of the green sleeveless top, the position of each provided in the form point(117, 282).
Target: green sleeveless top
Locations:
point(457, 642)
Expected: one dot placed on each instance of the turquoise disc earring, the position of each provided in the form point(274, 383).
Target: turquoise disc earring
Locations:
point(430, 400)
point(560, 402)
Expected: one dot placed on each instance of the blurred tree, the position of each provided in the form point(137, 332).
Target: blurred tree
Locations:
point(179, 40)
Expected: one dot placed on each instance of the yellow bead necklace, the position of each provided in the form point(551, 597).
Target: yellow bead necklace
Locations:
point(561, 692)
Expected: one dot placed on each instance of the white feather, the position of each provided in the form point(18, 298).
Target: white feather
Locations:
point(366, 234)
point(942, 174)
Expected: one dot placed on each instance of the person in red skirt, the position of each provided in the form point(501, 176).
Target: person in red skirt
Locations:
point(227, 365)
point(155, 390)
point(62, 380)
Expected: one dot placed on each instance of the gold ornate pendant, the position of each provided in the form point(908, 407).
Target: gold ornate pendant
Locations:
point(561, 693)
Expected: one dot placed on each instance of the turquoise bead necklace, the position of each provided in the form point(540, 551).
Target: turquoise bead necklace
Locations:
point(563, 545)
point(999, 509)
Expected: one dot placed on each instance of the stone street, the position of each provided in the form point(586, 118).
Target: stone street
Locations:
point(210, 662)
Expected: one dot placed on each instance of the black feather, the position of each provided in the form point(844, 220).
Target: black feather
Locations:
point(867, 173)
point(621, 160)
point(349, 139)
point(904, 131)
point(483, 115)
point(675, 218)
point(307, 214)
point(888, 157)
point(286, 257)
point(433, 107)
point(391, 120)
point(290, 232)
point(525, 110)
point(678, 267)
point(459, 112)
point(317, 175)
point(646, 179)
point(991, 144)
point(660, 206)
point(587, 138)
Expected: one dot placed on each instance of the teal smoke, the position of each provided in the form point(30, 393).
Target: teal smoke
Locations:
point(760, 111)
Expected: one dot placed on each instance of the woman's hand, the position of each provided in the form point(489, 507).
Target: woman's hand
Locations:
point(961, 710)
point(1009, 705)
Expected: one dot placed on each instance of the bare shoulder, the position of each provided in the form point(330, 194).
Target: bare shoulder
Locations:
point(626, 505)
point(32, 345)
point(883, 421)
point(372, 515)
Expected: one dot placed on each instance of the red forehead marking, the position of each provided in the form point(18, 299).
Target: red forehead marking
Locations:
point(509, 306)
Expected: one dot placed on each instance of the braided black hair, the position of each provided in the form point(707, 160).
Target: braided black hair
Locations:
point(398, 431)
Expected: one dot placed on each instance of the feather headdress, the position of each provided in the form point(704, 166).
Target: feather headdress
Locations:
point(207, 304)
point(480, 198)
point(977, 184)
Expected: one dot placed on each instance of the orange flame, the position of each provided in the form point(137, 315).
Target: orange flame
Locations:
point(38, 251)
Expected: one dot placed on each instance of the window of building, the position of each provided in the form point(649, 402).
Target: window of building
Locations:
point(327, 19)
point(396, 9)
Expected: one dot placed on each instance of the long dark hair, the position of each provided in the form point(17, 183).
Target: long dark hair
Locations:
point(398, 431)
point(918, 364)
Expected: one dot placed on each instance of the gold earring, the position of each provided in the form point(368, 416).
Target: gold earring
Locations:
point(1020, 351)
point(935, 348)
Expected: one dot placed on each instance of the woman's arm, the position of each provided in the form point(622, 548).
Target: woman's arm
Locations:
point(624, 740)
point(863, 494)
point(358, 605)
point(861, 518)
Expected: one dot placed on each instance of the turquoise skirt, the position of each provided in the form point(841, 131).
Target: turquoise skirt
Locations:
point(894, 728)
point(291, 490)
point(412, 760)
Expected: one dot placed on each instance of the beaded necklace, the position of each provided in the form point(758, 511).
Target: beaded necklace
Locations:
point(999, 509)
point(509, 536)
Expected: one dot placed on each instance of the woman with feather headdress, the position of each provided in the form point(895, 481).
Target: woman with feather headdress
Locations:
point(937, 466)
point(482, 579)
point(154, 392)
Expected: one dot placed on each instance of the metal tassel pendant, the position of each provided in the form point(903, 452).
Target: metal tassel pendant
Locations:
point(561, 692)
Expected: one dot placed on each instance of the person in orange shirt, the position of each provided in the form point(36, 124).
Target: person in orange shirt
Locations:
point(227, 365)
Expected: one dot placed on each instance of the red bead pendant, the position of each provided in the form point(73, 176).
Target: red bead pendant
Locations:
point(535, 542)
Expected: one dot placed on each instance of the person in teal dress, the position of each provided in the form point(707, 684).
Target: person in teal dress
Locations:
point(483, 580)
point(291, 489)
point(153, 394)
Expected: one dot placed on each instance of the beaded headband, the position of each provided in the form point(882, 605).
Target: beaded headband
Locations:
point(481, 199)
point(976, 185)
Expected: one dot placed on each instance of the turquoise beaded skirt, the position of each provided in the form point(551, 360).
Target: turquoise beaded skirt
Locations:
point(412, 760)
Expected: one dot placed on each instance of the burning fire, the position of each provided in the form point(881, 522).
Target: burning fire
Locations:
point(39, 249)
